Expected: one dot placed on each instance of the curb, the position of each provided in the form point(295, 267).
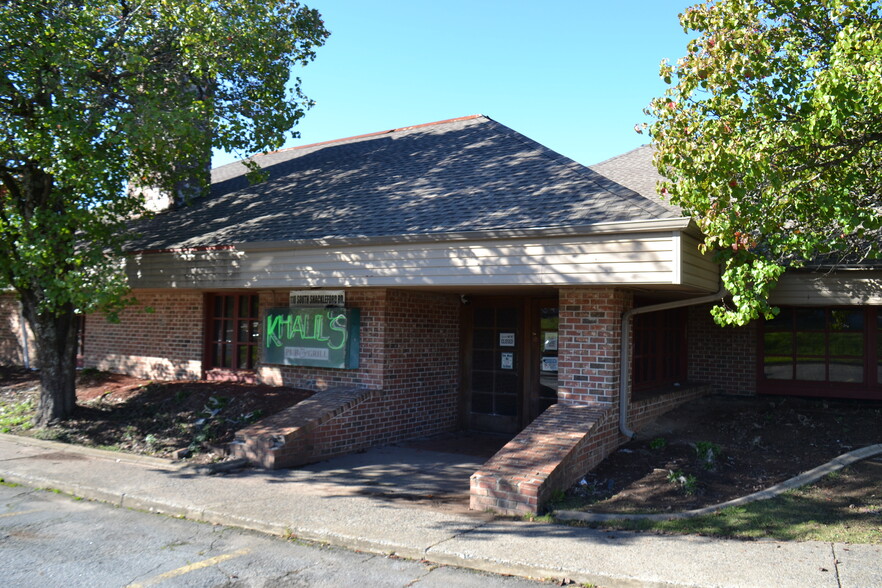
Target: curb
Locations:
point(812, 475)
point(122, 457)
point(437, 553)
point(117, 456)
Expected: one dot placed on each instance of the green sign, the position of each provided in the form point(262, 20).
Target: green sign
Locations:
point(317, 337)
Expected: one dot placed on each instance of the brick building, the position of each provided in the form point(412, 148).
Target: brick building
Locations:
point(458, 275)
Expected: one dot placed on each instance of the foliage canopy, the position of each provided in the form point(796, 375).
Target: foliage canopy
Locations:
point(769, 134)
point(100, 95)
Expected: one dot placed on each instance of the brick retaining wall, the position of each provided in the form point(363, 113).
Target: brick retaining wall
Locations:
point(644, 411)
point(293, 436)
point(542, 458)
point(558, 448)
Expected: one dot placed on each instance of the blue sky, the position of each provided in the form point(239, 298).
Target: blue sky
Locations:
point(572, 75)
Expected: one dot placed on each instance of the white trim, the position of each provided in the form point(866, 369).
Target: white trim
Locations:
point(676, 258)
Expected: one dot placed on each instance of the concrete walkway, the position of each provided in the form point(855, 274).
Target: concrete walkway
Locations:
point(395, 500)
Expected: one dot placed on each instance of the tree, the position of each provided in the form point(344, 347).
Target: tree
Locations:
point(770, 136)
point(101, 95)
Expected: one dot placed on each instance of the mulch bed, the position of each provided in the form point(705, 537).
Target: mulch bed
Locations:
point(754, 443)
point(164, 419)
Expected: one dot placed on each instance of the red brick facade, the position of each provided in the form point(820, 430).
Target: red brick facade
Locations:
point(11, 349)
point(160, 338)
point(420, 375)
point(724, 357)
point(408, 381)
point(407, 384)
point(590, 341)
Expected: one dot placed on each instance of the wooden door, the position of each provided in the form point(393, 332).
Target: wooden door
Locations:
point(494, 365)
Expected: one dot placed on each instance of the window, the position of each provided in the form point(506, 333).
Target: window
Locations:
point(659, 349)
point(233, 331)
point(815, 345)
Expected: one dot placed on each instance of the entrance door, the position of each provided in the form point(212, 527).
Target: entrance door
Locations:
point(510, 367)
point(494, 366)
point(543, 359)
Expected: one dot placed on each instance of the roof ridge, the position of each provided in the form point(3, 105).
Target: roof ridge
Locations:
point(376, 133)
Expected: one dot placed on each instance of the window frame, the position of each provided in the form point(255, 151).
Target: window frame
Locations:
point(234, 344)
point(870, 361)
point(653, 352)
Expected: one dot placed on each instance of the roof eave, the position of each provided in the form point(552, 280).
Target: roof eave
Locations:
point(680, 224)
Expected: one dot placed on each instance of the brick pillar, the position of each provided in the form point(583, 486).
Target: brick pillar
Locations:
point(590, 338)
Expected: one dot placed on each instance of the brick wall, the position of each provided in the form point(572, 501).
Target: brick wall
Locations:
point(11, 350)
point(160, 337)
point(422, 369)
point(644, 411)
point(168, 342)
point(590, 338)
point(419, 349)
point(724, 357)
point(413, 352)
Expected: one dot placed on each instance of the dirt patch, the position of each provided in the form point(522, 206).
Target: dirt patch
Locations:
point(719, 448)
point(163, 419)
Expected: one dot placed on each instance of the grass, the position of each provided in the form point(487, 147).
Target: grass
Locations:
point(811, 513)
point(16, 415)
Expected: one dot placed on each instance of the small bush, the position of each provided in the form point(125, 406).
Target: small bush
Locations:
point(658, 443)
point(708, 453)
point(688, 483)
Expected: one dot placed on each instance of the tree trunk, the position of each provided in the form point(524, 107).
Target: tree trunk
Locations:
point(55, 337)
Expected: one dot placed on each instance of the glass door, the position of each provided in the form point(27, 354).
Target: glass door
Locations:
point(494, 367)
point(543, 392)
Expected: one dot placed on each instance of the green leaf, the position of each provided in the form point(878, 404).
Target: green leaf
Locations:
point(798, 160)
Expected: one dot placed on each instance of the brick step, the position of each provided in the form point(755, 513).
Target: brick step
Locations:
point(288, 438)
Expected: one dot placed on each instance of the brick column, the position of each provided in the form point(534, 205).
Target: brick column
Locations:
point(590, 338)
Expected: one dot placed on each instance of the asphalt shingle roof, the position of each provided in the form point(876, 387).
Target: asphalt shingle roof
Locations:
point(635, 170)
point(469, 174)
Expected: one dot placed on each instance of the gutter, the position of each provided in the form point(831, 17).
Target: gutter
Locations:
point(625, 373)
point(624, 228)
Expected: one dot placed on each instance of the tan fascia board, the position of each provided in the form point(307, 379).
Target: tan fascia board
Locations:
point(681, 224)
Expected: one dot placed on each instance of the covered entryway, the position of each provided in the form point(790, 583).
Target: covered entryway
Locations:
point(510, 347)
